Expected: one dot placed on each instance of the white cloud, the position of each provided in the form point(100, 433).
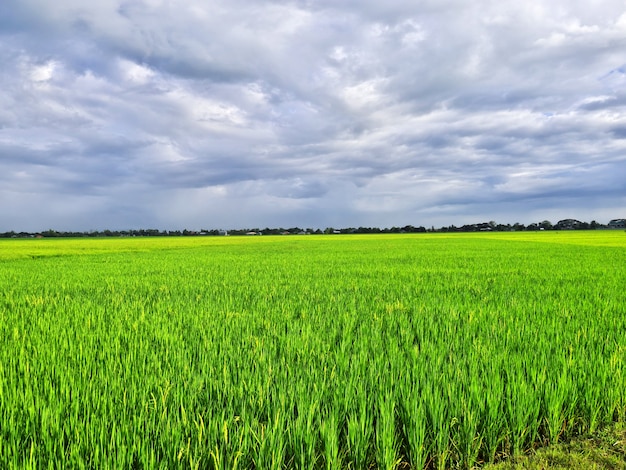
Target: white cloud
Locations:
point(136, 73)
point(304, 113)
point(42, 73)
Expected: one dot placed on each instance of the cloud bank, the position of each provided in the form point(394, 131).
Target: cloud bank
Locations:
point(186, 114)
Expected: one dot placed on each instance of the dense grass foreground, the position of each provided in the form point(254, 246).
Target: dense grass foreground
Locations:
point(307, 352)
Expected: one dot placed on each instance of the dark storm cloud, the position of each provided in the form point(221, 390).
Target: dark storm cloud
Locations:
point(173, 113)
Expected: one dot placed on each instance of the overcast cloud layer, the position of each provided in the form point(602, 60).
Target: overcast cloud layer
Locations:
point(176, 114)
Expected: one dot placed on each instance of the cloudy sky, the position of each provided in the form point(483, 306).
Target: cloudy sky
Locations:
point(175, 114)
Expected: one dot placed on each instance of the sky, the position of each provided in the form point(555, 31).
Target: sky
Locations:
point(174, 114)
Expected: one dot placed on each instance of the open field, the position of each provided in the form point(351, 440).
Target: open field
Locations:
point(397, 351)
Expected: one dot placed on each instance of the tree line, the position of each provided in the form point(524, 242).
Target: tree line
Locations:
point(492, 226)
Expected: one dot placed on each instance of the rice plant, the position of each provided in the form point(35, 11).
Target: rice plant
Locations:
point(395, 351)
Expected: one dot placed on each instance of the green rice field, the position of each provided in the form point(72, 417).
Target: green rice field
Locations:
point(308, 352)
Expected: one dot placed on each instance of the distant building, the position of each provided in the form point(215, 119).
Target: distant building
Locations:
point(568, 224)
point(617, 223)
point(482, 227)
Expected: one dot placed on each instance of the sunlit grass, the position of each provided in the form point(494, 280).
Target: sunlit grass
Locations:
point(438, 350)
